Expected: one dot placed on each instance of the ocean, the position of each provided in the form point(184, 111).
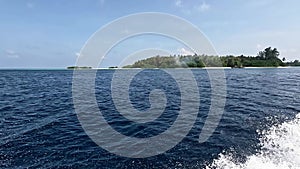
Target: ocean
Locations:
point(259, 128)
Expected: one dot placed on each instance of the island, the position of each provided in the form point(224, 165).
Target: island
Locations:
point(79, 67)
point(266, 58)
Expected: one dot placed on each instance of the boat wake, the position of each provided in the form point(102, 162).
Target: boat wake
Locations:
point(280, 150)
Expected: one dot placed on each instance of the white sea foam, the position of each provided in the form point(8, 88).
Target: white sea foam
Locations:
point(280, 150)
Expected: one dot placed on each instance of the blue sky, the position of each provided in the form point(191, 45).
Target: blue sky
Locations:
point(50, 34)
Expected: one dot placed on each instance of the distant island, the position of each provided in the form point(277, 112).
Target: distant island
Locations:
point(79, 67)
point(266, 58)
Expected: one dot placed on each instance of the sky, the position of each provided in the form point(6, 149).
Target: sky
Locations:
point(50, 34)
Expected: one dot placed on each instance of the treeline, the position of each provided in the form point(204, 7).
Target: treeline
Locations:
point(156, 62)
point(294, 63)
point(79, 67)
point(266, 58)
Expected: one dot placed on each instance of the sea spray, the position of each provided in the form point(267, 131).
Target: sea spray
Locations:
point(280, 149)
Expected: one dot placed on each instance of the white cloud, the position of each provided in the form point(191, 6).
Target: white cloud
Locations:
point(189, 9)
point(11, 54)
point(184, 52)
point(178, 3)
point(203, 7)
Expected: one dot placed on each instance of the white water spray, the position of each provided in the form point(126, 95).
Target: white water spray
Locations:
point(280, 150)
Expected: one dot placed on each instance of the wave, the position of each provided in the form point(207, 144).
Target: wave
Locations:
point(280, 149)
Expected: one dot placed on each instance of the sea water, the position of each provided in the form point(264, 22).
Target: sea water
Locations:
point(259, 128)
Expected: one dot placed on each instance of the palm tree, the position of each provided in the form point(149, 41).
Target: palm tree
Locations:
point(268, 54)
point(274, 53)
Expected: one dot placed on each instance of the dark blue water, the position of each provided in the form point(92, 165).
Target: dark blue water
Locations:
point(39, 127)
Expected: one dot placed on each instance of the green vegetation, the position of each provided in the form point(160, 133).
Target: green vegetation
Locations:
point(156, 62)
point(266, 58)
point(295, 63)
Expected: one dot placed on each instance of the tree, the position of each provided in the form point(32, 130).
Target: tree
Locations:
point(230, 62)
point(271, 53)
point(261, 55)
point(274, 53)
point(268, 54)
